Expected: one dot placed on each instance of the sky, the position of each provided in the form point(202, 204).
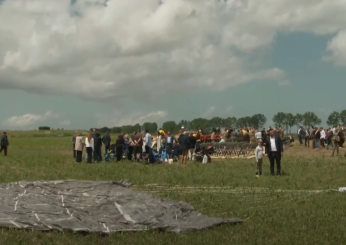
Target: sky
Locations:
point(91, 63)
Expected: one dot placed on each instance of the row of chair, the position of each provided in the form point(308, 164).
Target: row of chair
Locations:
point(230, 149)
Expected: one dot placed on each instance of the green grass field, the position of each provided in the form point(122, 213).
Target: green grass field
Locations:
point(295, 215)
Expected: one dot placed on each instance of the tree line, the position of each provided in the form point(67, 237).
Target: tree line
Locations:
point(257, 121)
point(308, 119)
point(281, 119)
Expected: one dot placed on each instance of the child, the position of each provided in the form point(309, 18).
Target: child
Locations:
point(259, 158)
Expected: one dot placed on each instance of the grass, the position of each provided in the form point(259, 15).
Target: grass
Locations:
point(272, 216)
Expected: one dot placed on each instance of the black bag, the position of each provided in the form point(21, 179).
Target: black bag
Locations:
point(199, 158)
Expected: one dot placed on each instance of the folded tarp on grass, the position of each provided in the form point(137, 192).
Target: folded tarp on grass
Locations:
point(95, 206)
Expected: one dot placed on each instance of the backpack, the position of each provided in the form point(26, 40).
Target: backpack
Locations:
point(336, 138)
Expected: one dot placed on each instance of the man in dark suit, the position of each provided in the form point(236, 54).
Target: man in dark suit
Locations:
point(274, 150)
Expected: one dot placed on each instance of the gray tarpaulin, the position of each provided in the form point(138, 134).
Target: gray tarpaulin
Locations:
point(95, 206)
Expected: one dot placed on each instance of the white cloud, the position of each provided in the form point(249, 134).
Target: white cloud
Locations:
point(120, 118)
point(337, 49)
point(27, 120)
point(130, 47)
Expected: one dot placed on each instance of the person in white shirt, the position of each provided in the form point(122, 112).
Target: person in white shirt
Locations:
point(89, 145)
point(147, 141)
point(334, 130)
point(259, 158)
point(322, 137)
point(258, 135)
point(300, 134)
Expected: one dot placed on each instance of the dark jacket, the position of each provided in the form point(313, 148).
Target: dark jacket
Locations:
point(120, 142)
point(97, 139)
point(184, 142)
point(192, 141)
point(4, 140)
point(278, 143)
point(106, 139)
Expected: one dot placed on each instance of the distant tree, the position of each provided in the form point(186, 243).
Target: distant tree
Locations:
point(202, 123)
point(185, 123)
point(279, 119)
point(258, 121)
point(104, 130)
point(289, 122)
point(217, 121)
point(44, 128)
point(333, 119)
point(137, 127)
point(343, 117)
point(116, 130)
point(244, 122)
point(310, 119)
point(298, 120)
point(230, 122)
point(151, 126)
point(128, 129)
point(169, 126)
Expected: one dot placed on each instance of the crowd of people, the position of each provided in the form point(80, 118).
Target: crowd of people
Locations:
point(141, 146)
point(133, 147)
point(329, 138)
point(185, 145)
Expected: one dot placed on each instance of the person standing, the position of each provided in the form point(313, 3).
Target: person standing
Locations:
point(329, 138)
point(259, 158)
point(307, 137)
point(322, 137)
point(169, 144)
point(317, 138)
point(131, 148)
point(158, 142)
point(212, 136)
point(300, 135)
point(79, 147)
point(336, 142)
point(138, 151)
point(89, 146)
point(274, 151)
point(312, 137)
point(147, 141)
point(74, 143)
point(4, 143)
point(97, 146)
point(258, 135)
point(184, 144)
point(252, 135)
point(119, 144)
point(107, 142)
point(192, 140)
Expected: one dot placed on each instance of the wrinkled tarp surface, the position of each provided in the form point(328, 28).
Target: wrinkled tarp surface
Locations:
point(95, 206)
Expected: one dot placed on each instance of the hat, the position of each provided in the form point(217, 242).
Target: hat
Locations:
point(4, 132)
